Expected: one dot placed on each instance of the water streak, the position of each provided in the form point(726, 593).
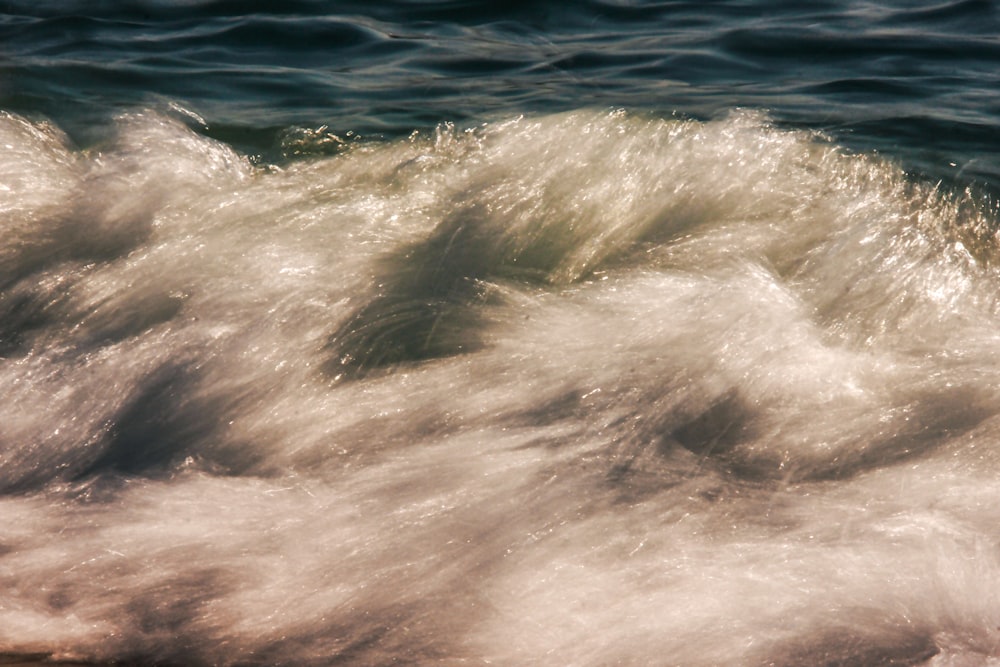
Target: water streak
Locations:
point(585, 388)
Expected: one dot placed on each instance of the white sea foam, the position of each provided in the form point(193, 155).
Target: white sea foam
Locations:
point(586, 389)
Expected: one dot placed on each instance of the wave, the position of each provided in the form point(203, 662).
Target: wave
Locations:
point(582, 388)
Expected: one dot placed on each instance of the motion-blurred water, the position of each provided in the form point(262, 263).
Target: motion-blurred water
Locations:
point(438, 333)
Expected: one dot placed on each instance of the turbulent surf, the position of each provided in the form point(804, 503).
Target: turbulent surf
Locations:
point(587, 388)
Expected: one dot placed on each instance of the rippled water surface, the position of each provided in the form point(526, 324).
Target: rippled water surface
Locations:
point(915, 79)
point(445, 334)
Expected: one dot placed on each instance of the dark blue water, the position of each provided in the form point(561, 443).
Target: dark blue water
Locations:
point(463, 333)
point(916, 80)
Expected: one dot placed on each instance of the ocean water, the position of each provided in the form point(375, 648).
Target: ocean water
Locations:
point(452, 333)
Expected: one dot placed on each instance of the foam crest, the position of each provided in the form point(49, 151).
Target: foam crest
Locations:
point(588, 388)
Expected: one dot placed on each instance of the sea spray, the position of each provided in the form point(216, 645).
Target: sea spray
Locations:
point(587, 388)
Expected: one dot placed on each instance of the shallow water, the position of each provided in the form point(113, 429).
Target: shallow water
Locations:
point(561, 385)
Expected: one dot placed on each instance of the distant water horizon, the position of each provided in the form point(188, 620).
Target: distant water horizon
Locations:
point(440, 333)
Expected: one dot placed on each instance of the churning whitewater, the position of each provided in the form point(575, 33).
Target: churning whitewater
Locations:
point(584, 389)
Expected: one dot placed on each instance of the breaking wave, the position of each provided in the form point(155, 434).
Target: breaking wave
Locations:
point(586, 389)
